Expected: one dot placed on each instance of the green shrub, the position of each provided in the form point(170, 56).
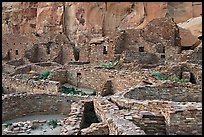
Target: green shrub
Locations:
point(94, 93)
point(71, 91)
point(43, 75)
point(173, 77)
point(6, 124)
point(53, 123)
point(108, 65)
point(158, 75)
point(7, 72)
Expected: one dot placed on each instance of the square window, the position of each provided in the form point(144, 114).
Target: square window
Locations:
point(141, 49)
point(162, 56)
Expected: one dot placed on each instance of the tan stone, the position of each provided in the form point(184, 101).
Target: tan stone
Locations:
point(187, 39)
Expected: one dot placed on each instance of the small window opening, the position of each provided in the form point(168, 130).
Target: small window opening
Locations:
point(162, 56)
point(163, 50)
point(141, 49)
point(78, 74)
point(48, 45)
point(105, 51)
point(9, 55)
point(16, 52)
point(48, 50)
point(192, 78)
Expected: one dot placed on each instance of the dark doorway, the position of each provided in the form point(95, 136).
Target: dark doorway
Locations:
point(89, 115)
point(192, 78)
point(76, 54)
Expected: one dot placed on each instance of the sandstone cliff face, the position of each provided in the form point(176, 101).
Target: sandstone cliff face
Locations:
point(80, 19)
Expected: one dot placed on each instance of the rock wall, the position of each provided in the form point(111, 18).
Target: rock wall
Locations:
point(120, 79)
point(185, 123)
point(96, 129)
point(22, 104)
point(178, 94)
point(72, 124)
point(181, 118)
point(109, 114)
point(79, 20)
point(19, 85)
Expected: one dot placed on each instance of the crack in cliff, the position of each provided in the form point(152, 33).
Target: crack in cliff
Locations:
point(104, 16)
point(64, 23)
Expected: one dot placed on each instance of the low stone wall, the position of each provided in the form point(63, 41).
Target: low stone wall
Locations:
point(96, 129)
point(58, 75)
point(184, 122)
point(176, 93)
point(73, 122)
point(11, 85)
point(16, 62)
point(22, 69)
point(22, 104)
point(109, 114)
point(151, 123)
point(95, 78)
point(180, 117)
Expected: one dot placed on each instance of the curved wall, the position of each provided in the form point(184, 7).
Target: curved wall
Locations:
point(177, 94)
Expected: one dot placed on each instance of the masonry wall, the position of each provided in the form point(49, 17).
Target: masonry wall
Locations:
point(97, 53)
point(22, 104)
point(11, 85)
point(96, 78)
point(109, 114)
point(72, 124)
point(16, 45)
point(141, 57)
point(167, 93)
point(84, 55)
point(181, 118)
point(152, 124)
point(67, 54)
point(185, 123)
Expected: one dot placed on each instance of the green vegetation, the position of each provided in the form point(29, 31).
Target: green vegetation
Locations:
point(43, 75)
point(158, 75)
point(173, 77)
point(74, 91)
point(70, 90)
point(53, 123)
point(176, 79)
point(7, 72)
point(6, 124)
point(94, 93)
point(108, 65)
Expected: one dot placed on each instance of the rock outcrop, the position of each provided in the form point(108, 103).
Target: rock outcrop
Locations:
point(79, 20)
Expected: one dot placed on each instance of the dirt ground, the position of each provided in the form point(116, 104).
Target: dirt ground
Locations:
point(44, 129)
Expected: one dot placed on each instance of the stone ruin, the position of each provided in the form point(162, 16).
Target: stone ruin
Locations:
point(136, 69)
